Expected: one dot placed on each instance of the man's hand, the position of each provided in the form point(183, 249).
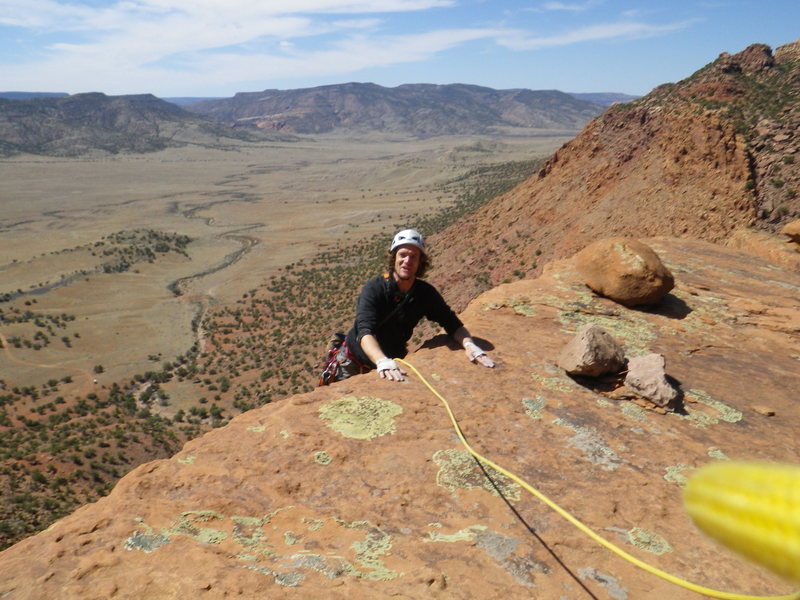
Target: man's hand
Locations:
point(388, 369)
point(478, 356)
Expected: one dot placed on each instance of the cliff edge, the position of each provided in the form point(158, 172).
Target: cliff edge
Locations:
point(362, 490)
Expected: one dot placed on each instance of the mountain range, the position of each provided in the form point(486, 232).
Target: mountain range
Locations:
point(57, 124)
point(414, 109)
point(90, 123)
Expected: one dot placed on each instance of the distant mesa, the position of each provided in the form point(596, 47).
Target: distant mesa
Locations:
point(62, 125)
point(420, 110)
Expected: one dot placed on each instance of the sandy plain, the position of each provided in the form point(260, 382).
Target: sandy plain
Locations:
point(250, 209)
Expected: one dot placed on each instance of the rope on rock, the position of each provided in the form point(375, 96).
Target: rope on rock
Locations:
point(711, 593)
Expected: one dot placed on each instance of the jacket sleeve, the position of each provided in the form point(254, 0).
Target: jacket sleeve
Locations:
point(368, 309)
point(439, 311)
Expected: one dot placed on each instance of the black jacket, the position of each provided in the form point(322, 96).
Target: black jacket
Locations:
point(388, 314)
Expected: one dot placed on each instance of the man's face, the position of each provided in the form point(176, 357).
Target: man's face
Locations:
point(406, 262)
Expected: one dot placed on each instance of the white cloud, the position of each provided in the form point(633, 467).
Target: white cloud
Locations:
point(555, 6)
point(170, 46)
point(628, 30)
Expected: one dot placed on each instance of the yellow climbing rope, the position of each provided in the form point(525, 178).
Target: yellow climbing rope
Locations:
point(711, 593)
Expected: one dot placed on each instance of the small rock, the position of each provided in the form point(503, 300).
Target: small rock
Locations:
point(763, 410)
point(647, 377)
point(792, 230)
point(624, 270)
point(592, 352)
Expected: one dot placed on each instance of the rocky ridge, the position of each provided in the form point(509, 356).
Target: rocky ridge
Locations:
point(712, 157)
point(361, 489)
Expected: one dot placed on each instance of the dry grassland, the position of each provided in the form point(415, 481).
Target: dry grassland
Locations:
point(249, 210)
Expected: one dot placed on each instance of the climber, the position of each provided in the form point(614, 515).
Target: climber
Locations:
point(388, 309)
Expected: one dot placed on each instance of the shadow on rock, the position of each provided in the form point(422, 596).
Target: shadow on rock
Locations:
point(670, 306)
point(443, 340)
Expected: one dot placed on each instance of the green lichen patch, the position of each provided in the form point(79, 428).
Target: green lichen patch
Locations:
point(188, 526)
point(322, 458)
point(248, 533)
point(257, 428)
point(189, 460)
point(594, 448)
point(716, 453)
point(629, 328)
point(675, 474)
point(290, 538)
point(648, 541)
point(463, 535)
point(330, 567)
point(534, 406)
point(559, 382)
point(458, 469)
point(703, 419)
point(360, 418)
point(314, 524)
point(726, 413)
point(369, 556)
point(633, 411)
point(261, 543)
point(145, 543)
point(710, 309)
point(504, 550)
point(526, 310)
point(522, 305)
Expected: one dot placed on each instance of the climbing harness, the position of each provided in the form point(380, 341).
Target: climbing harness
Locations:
point(338, 356)
point(711, 593)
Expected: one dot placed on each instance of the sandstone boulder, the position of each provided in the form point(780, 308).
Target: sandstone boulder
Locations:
point(792, 230)
point(624, 270)
point(647, 377)
point(593, 352)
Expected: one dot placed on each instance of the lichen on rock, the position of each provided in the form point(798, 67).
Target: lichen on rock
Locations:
point(361, 418)
point(458, 469)
point(648, 541)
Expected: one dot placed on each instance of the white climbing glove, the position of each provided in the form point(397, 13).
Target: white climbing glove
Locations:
point(474, 350)
point(477, 355)
point(388, 369)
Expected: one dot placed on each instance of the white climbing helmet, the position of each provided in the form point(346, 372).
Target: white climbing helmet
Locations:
point(408, 236)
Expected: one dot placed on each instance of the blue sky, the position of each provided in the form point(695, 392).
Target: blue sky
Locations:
point(220, 47)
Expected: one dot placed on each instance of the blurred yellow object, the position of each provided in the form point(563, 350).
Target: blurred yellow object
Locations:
point(752, 508)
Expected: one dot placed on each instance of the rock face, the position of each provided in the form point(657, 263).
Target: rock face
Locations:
point(702, 158)
point(361, 489)
point(624, 270)
point(592, 352)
